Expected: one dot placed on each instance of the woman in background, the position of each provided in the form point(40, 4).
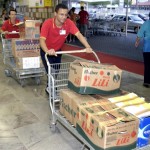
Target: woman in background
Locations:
point(74, 17)
point(144, 33)
point(4, 15)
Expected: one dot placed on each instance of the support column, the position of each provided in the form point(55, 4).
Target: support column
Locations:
point(69, 4)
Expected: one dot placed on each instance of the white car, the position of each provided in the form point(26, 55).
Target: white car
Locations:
point(134, 22)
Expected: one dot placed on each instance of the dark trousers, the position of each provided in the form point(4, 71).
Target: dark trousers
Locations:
point(146, 56)
point(51, 59)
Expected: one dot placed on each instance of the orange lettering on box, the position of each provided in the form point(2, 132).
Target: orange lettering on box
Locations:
point(77, 81)
point(123, 140)
point(100, 82)
point(89, 130)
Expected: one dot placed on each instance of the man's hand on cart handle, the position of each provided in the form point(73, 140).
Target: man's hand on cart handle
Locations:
point(5, 32)
point(51, 52)
point(89, 50)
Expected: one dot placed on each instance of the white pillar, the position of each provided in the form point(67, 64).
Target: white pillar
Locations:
point(69, 4)
point(121, 3)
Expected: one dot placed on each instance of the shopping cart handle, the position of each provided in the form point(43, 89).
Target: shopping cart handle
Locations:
point(73, 51)
point(3, 33)
point(78, 51)
point(70, 52)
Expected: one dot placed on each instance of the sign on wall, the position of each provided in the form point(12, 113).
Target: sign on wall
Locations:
point(36, 3)
point(48, 3)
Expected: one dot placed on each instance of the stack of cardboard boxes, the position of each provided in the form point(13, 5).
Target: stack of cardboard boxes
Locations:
point(26, 49)
point(105, 116)
point(102, 123)
point(138, 107)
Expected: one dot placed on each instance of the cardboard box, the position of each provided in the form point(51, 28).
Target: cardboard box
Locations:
point(139, 108)
point(29, 29)
point(111, 129)
point(22, 30)
point(94, 78)
point(25, 47)
point(28, 62)
point(99, 121)
point(120, 93)
point(70, 102)
point(32, 29)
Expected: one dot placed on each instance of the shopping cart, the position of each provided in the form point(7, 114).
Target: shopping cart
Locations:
point(58, 80)
point(11, 69)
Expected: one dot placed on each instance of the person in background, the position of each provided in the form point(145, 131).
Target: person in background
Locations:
point(74, 17)
point(10, 25)
point(83, 22)
point(4, 15)
point(53, 34)
point(144, 33)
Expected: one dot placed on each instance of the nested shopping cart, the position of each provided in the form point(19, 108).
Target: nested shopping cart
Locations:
point(58, 80)
point(11, 69)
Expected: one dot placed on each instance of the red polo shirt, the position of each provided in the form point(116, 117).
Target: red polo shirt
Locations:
point(83, 17)
point(55, 37)
point(8, 26)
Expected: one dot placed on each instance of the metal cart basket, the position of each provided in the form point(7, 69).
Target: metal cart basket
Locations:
point(11, 69)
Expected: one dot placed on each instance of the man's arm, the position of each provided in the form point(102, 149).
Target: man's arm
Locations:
point(43, 44)
point(137, 41)
point(3, 29)
point(84, 42)
point(44, 47)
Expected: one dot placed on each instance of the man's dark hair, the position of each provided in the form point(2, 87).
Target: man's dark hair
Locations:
point(73, 9)
point(12, 10)
point(60, 6)
point(82, 8)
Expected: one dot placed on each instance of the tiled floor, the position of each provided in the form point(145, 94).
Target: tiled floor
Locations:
point(25, 114)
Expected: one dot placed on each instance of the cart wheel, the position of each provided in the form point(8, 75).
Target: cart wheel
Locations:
point(53, 127)
point(37, 80)
point(83, 147)
point(22, 82)
point(8, 73)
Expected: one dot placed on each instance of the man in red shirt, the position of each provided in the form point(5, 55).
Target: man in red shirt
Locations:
point(54, 32)
point(9, 26)
point(83, 22)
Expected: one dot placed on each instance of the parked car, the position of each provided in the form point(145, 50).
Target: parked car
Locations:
point(134, 22)
point(109, 17)
point(142, 16)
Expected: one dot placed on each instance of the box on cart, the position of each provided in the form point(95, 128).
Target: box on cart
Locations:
point(100, 122)
point(28, 62)
point(32, 28)
point(94, 78)
point(25, 47)
point(29, 29)
point(69, 104)
point(138, 107)
point(108, 127)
